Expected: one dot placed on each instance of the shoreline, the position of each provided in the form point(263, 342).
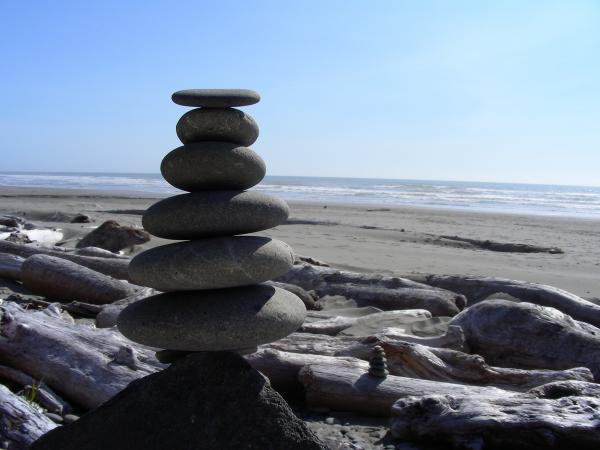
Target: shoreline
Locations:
point(393, 240)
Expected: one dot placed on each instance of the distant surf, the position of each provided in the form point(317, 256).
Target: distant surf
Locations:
point(572, 201)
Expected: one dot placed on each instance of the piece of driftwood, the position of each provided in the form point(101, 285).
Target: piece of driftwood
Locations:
point(80, 309)
point(525, 335)
point(85, 365)
point(387, 293)
point(63, 280)
point(477, 289)
point(282, 368)
point(114, 267)
point(43, 394)
point(440, 364)
point(97, 251)
point(499, 422)
point(107, 316)
point(453, 338)
point(343, 388)
point(508, 247)
point(330, 326)
point(20, 423)
point(10, 266)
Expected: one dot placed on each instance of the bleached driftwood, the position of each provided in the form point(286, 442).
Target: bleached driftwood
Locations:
point(10, 266)
point(499, 422)
point(97, 251)
point(477, 289)
point(80, 309)
point(84, 365)
point(387, 293)
point(365, 325)
point(525, 335)
point(20, 423)
point(115, 267)
point(43, 394)
point(439, 364)
point(59, 279)
point(282, 368)
point(352, 389)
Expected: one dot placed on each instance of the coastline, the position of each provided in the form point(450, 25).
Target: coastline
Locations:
point(368, 237)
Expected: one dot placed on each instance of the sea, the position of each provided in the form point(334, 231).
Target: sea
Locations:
point(537, 199)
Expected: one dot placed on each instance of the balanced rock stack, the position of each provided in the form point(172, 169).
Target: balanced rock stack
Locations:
point(213, 299)
point(378, 363)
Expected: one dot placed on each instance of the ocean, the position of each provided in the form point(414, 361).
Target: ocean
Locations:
point(570, 201)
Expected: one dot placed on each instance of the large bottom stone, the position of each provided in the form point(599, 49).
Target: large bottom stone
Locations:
point(205, 401)
point(222, 319)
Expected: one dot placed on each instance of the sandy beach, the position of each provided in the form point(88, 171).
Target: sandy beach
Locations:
point(390, 240)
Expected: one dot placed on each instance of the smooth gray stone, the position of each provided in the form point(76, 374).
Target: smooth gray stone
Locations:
point(214, 213)
point(217, 124)
point(221, 319)
point(211, 263)
point(216, 98)
point(212, 165)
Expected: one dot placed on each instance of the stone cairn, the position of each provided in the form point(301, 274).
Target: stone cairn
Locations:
point(213, 299)
point(378, 363)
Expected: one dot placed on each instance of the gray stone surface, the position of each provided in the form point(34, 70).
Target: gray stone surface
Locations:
point(212, 165)
point(221, 319)
point(211, 263)
point(217, 124)
point(205, 401)
point(214, 213)
point(216, 98)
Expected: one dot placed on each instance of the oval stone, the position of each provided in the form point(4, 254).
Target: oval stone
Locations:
point(211, 263)
point(223, 319)
point(212, 165)
point(214, 213)
point(216, 98)
point(217, 124)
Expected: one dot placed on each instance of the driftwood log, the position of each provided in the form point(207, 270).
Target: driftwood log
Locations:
point(477, 289)
point(348, 388)
point(85, 365)
point(500, 422)
point(10, 266)
point(45, 396)
point(63, 280)
point(387, 293)
point(114, 267)
point(525, 335)
point(20, 423)
point(439, 364)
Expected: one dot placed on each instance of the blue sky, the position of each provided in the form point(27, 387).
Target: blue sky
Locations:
point(461, 90)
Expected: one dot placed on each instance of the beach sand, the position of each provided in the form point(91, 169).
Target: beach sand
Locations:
point(390, 240)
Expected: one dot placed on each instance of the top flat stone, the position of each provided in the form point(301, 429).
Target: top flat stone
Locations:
point(216, 98)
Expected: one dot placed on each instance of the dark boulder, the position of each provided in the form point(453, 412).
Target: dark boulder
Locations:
point(114, 237)
point(203, 401)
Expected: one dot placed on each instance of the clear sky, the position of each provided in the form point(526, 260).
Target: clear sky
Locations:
point(459, 90)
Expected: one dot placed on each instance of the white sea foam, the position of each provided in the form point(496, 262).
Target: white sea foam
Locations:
point(522, 198)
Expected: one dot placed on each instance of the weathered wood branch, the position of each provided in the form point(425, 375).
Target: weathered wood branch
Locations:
point(353, 389)
point(499, 422)
point(114, 267)
point(20, 423)
point(85, 365)
point(10, 266)
point(525, 335)
point(387, 293)
point(477, 289)
point(64, 280)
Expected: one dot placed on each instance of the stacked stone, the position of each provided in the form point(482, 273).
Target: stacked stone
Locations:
point(378, 363)
point(213, 298)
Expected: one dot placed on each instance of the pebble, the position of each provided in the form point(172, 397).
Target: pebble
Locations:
point(70, 418)
point(214, 213)
point(216, 98)
point(212, 165)
point(216, 320)
point(211, 263)
point(219, 124)
point(330, 421)
point(54, 417)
